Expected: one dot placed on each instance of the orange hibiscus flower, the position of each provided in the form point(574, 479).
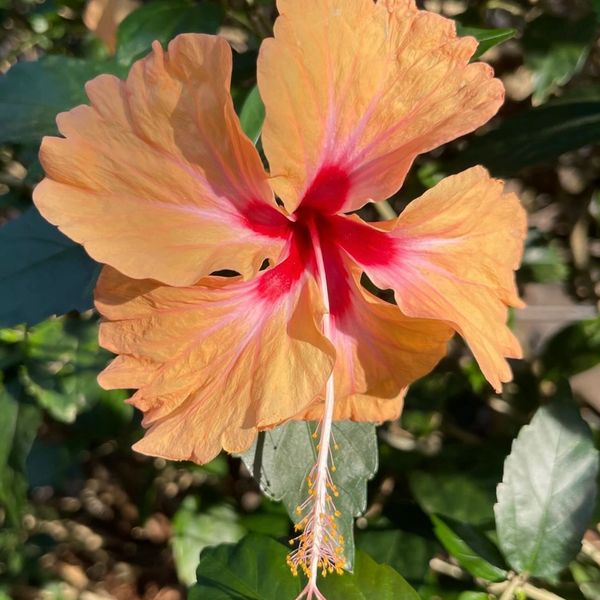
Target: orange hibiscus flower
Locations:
point(157, 180)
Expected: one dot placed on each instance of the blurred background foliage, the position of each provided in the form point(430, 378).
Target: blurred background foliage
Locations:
point(82, 516)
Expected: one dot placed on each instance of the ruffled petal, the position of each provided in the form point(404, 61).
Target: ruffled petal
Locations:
point(379, 351)
point(355, 90)
point(214, 362)
point(156, 178)
point(451, 256)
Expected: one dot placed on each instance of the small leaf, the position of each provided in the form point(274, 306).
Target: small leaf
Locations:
point(194, 531)
point(47, 273)
point(487, 38)
point(555, 49)
point(548, 491)
point(281, 459)
point(162, 20)
point(533, 136)
point(33, 93)
point(255, 569)
point(471, 548)
point(252, 115)
point(583, 342)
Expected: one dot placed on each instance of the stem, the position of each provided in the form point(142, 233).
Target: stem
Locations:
point(511, 588)
point(320, 535)
point(385, 210)
point(506, 589)
point(539, 594)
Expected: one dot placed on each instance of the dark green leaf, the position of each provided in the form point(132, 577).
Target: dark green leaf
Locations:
point(281, 459)
point(555, 49)
point(407, 553)
point(471, 548)
point(574, 349)
point(455, 495)
point(33, 93)
point(548, 491)
point(47, 273)
point(487, 38)
point(52, 464)
point(369, 580)
point(162, 20)
point(533, 136)
point(193, 531)
point(255, 569)
point(252, 115)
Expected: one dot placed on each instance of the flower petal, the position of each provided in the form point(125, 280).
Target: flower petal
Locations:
point(450, 256)
point(214, 362)
point(156, 178)
point(354, 90)
point(379, 351)
point(103, 18)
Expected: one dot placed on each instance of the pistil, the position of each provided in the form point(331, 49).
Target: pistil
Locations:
point(320, 546)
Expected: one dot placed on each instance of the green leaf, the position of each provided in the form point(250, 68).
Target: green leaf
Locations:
point(33, 93)
point(47, 273)
point(548, 491)
point(255, 569)
point(19, 423)
point(470, 547)
point(583, 342)
point(369, 580)
point(533, 136)
point(405, 552)
point(61, 365)
point(455, 495)
point(194, 531)
point(555, 49)
point(281, 459)
point(487, 38)
point(162, 20)
point(252, 115)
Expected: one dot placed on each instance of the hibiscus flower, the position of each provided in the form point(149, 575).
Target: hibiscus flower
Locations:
point(157, 180)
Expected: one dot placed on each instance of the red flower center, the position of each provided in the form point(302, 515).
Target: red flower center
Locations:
point(336, 234)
